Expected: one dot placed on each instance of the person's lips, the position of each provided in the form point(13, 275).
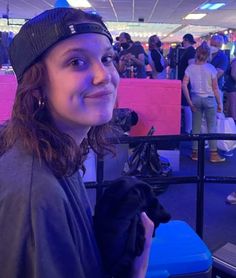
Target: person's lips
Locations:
point(99, 94)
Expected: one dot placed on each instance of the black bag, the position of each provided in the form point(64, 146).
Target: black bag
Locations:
point(146, 162)
point(124, 118)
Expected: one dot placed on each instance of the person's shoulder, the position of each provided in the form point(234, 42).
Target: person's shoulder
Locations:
point(222, 53)
point(211, 68)
point(14, 163)
point(24, 177)
point(191, 66)
point(137, 46)
point(189, 69)
point(209, 65)
point(191, 52)
point(221, 56)
point(15, 178)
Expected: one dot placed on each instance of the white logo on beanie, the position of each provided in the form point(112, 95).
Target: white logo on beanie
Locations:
point(72, 29)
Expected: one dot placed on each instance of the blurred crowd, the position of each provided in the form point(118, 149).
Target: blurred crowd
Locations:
point(133, 61)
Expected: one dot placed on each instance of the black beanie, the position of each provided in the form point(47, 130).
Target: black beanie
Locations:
point(43, 31)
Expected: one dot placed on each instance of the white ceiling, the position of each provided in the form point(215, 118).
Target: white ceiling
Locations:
point(163, 17)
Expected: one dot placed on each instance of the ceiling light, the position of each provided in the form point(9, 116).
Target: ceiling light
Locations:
point(205, 7)
point(214, 6)
point(194, 16)
point(79, 3)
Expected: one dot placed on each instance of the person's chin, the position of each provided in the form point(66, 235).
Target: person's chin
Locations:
point(103, 118)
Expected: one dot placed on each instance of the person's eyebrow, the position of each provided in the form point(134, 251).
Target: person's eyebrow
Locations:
point(82, 50)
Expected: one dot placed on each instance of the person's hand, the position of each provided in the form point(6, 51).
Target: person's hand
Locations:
point(123, 59)
point(219, 108)
point(193, 108)
point(141, 263)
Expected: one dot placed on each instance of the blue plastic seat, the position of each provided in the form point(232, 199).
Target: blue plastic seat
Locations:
point(177, 251)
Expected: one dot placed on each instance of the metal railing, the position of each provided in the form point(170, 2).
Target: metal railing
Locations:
point(200, 179)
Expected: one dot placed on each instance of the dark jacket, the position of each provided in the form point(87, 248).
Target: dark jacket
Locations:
point(118, 228)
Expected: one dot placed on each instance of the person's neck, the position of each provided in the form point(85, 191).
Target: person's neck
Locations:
point(197, 62)
point(187, 46)
point(78, 135)
point(77, 132)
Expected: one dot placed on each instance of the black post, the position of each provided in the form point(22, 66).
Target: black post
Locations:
point(200, 186)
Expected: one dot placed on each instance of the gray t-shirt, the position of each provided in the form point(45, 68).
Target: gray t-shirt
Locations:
point(46, 228)
point(201, 78)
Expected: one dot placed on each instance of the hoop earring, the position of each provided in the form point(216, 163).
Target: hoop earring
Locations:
point(41, 103)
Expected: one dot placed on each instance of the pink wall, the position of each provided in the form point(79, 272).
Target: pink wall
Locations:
point(157, 102)
point(7, 95)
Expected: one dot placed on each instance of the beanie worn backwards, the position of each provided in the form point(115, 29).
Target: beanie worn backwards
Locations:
point(43, 31)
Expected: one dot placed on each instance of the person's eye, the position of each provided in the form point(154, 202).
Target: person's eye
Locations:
point(78, 63)
point(108, 59)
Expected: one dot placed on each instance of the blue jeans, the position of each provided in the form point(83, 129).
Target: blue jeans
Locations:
point(205, 106)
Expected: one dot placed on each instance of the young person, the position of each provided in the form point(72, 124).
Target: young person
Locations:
point(230, 91)
point(63, 61)
point(185, 60)
point(205, 98)
point(155, 58)
point(219, 60)
point(131, 58)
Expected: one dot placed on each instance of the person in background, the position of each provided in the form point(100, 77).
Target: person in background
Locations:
point(172, 61)
point(230, 89)
point(230, 108)
point(219, 60)
point(156, 59)
point(131, 58)
point(117, 49)
point(185, 60)
point(65, 97)
point(1, 51)
point(204, 98)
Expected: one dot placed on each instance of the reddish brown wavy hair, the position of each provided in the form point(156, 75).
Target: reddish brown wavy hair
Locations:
point(33, 124)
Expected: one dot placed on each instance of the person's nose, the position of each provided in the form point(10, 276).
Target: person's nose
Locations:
point(101, 74)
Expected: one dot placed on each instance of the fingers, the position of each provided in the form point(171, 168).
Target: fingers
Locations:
point(219, 108)
point(140, 263)
point(148, 227)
